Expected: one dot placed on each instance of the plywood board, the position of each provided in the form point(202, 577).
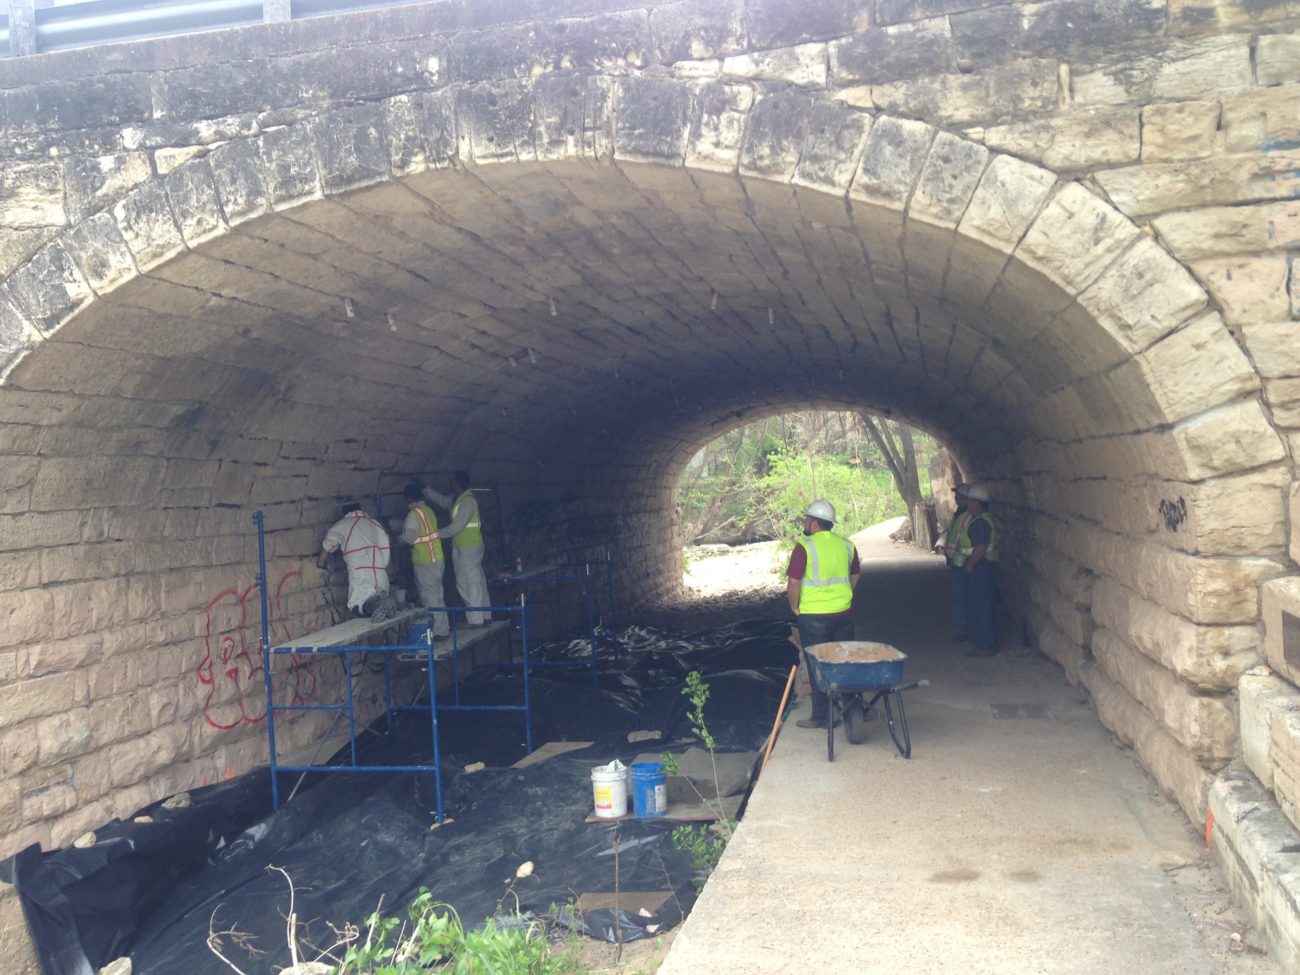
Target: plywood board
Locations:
point(682, 812)
point(550, 750)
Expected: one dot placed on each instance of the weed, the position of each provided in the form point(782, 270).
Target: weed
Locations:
point(704, 843)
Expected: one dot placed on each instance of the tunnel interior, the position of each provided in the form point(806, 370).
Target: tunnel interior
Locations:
point(573, 331)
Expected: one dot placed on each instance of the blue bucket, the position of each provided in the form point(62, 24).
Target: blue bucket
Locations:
point(649, 789)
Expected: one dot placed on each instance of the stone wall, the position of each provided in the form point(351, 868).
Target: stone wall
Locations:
point(565, 245)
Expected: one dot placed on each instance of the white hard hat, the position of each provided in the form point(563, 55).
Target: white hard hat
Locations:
point(977, 492)
point(821, 509)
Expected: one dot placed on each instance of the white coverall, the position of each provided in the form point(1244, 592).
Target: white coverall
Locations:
point(471, 581)
point(365, 551)
point(428, 575)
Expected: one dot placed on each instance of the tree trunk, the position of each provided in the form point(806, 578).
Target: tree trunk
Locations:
point(899, 450)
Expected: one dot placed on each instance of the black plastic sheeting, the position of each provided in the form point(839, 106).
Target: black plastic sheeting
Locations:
point(155, 890)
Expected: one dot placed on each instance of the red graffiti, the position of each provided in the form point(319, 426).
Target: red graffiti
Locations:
point(232, 668)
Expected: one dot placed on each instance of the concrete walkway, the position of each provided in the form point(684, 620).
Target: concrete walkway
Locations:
point(1019, 838)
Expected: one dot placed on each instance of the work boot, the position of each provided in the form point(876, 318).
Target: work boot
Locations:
point(811, 723)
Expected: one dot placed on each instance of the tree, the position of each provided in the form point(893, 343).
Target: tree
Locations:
point(896, 445)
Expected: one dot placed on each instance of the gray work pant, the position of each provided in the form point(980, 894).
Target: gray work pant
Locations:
point(428, 577)
point(471, 582)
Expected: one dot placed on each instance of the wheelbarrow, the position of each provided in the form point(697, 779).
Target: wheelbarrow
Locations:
point(850, 670)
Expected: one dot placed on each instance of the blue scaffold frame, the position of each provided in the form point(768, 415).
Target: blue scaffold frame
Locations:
point(424, 651)
point(558, 574)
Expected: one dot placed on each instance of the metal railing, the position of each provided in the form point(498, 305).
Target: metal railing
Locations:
point(25, 29)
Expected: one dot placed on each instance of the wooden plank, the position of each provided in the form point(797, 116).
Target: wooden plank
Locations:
point(349, 632)
point(550, 750)
point(700, 812)
point(646, 903)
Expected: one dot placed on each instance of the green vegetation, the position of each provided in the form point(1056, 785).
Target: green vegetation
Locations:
point(705, 843)
point(753, 483)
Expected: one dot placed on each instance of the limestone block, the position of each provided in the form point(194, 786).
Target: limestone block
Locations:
point(1075, 238)
point(776, 23)
point(1262, 697)
point(1008, 196)
point(1072, 141)
point(289, 169)
point(1285, 735)
point(832, 149)
point(33, 196)
point(1000, 93)
point(1182, 70)
point(1071, 656)
point(168, 158)
point(896, 150)
point(17, 334)
point(604, 42)
point(1143, 296)
point(948, 179)
point(1199, 589)
point(1151, 189)
point(1204, 724)
point(709, 70)
point(100, 252)
point(24, 615)
point(238, 172)
point(95, 183)
point(131, 761)
point(19, 750)
point(1191, 17)
point(1261, 120)
point(64, 735)
point(1250, 289)
point(1281, 611)
point(57, 656)
point(653, 120)
point(48, 801)
point(1211, 658)
point(351, 147)
point(775, 135)
point(18, 246)
point(804, 65)
point(49, 289)
point(1284, 401)
point(1222, 441)
point(193, 197)
point(1173, 766)
point(1277, 59)
point(148, 226)
point(1293, 509)
point(696, 29)
point(71, 483)
point(1179, 130)
point(1194, 369)
point(891, 53)
point(1220, 231)
point(37, 698)
point(573, 118)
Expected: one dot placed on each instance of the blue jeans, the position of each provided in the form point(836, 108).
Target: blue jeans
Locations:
point(814, 629)
point(957, 591)
point(979, 605)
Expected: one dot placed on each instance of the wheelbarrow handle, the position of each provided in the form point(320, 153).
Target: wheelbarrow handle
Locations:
point(912, 686)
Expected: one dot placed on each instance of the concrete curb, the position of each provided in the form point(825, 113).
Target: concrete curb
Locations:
point(1258, 849)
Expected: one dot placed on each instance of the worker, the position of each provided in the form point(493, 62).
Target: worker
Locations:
point(977, 553)
point(466, 534)
point(823, 572)
point(947, 545)
point(364, 545)
point(420, 531)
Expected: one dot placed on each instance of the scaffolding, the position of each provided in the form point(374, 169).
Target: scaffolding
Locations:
point(344, 640)
point(585, 574)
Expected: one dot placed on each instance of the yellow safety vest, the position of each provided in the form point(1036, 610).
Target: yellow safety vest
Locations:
point(964, 546)
point(427, 547)
point(825, 586)
point(472, 534)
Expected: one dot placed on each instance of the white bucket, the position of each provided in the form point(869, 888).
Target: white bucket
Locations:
point(609, 787)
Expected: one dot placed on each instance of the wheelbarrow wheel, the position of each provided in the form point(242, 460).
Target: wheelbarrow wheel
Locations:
point(855, 720)
point(898, 728)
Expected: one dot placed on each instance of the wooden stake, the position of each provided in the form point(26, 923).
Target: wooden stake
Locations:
point(776, 725)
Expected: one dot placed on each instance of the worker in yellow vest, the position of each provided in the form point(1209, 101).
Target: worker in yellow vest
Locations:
point(947, 546)
point(823, 572)
point(466, 534)
point(977, 556)
point(420, 531)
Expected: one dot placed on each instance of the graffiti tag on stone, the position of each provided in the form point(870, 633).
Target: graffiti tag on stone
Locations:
point(1173, 512)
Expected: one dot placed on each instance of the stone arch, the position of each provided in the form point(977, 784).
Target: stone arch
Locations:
point(761, 246)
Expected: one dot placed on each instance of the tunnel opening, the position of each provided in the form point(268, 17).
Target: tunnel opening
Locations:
point(300, 316)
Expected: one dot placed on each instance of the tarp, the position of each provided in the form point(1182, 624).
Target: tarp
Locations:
point(154, 891)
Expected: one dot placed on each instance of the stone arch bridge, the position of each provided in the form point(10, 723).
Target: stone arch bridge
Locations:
point(567, 243)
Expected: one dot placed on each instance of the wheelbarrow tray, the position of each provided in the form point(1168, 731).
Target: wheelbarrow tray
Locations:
point(855, 665)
